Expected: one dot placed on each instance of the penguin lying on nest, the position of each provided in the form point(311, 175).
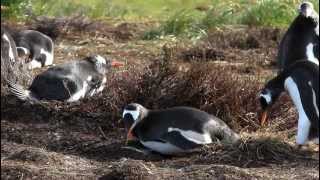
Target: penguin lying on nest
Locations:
point(175, 130)
point(67, 82)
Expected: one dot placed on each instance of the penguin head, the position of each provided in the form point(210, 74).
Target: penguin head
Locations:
point(269, 95)
point(133, 113)
point(306, 9)
point(102, 65)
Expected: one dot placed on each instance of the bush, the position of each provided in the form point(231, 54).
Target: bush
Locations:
point(16, 8)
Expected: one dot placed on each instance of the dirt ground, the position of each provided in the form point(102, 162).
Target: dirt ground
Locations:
point(86, 140)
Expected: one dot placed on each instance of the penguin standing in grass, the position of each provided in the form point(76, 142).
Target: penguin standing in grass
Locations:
point(67, 82)
point(175, 130)
point(301, 80)
point(301, 41)
point(38, 46)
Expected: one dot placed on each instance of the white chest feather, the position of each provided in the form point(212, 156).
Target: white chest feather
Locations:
point(303, 122)
point(49, 56)
point(11, 56)
point(80, 93)
point(310, 54)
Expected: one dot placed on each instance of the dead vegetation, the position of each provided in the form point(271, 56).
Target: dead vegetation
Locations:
point(85, 140)
point(65, 26)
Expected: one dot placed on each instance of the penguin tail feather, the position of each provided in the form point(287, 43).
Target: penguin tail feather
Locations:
point(20, 92)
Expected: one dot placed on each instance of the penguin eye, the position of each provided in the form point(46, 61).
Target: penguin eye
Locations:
point(128, 120)
point(133, 113)
point(263, 102)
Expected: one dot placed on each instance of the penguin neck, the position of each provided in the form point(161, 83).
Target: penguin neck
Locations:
point(303, 23)
point(143, 113)
point(300, 64)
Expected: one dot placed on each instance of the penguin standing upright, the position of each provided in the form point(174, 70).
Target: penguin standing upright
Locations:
point(8, 46)
point(301, 80)
point(175, 130)
point(38, 46)
point(67, 82)
point(301, 41)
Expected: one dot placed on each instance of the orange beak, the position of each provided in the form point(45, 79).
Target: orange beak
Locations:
point(130, 136)
point(117, 64)
point(264, 117)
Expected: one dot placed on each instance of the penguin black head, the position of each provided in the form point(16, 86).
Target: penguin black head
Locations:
point(269, 95)
point(133, 113)
point(306, 9)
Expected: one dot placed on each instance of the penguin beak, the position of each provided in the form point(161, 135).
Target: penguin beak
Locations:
point(264, 117)
point(116, 64)
point(130, 136)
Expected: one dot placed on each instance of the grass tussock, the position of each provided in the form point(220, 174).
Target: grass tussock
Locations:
point(255, 151)
point(187, 18)
point(272, 13)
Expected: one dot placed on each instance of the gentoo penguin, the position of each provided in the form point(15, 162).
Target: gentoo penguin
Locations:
point(301, 80)
point(36, 45)
point(301, 41)
point(67, 82)
point(174, 130)
point(8, 46)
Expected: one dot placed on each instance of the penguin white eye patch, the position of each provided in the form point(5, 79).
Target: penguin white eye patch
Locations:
point(267, 97)
point(100, 59)
point(135, 114)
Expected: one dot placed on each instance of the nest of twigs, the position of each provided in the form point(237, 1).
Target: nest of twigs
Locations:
point(255, 151)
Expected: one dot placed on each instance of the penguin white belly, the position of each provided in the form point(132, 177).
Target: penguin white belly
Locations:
point(310, 54)
point(11, 56)
point(163, 148)
point(303, 122)
point(80, 93)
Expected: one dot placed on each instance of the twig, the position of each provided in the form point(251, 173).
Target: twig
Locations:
point(101, 131)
